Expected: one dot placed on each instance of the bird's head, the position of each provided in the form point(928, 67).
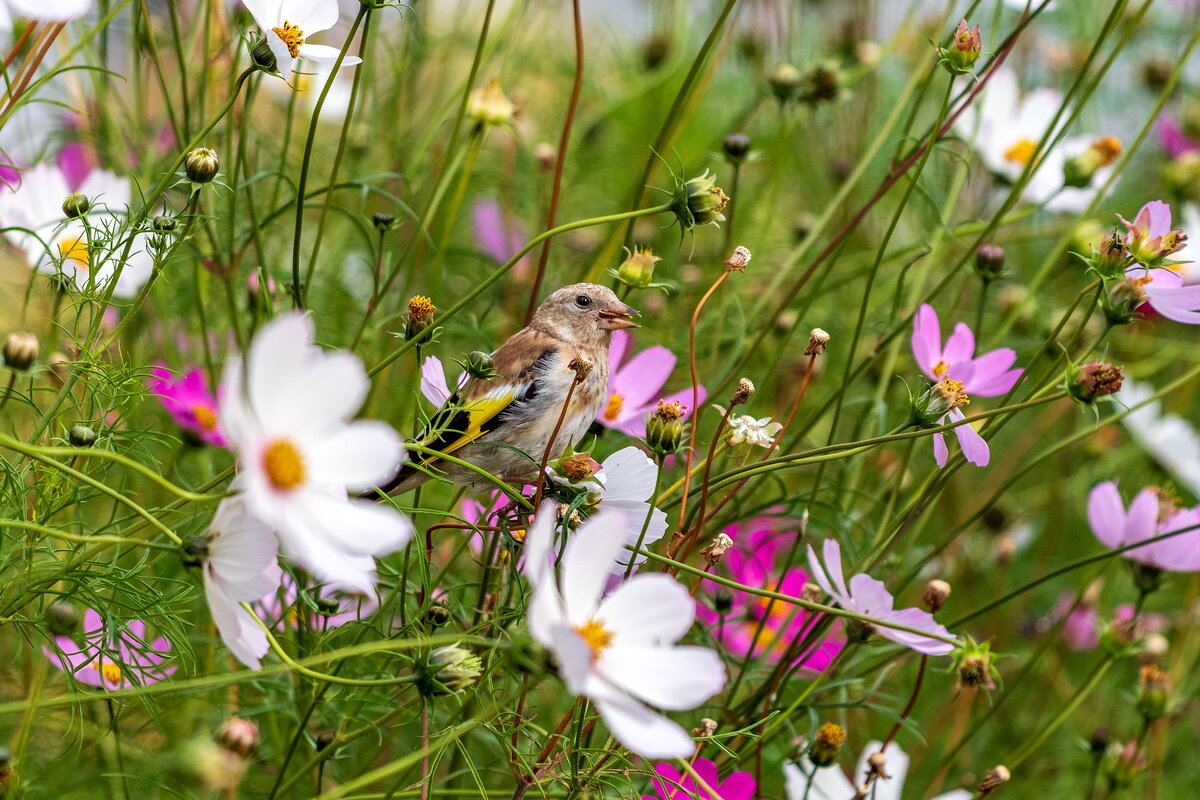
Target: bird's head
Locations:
point(584, 311)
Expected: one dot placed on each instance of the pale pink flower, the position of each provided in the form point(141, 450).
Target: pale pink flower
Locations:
point(187, 399)
point(1165, 292)
point(870, 597)
point(433, 381)
point(112, 659)
point(1116, 527)
point(1151, 237)
point(496, 238)
point(634, 386)
point(284, 608)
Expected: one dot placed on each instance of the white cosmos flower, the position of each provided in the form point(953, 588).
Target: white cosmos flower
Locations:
point(1006, 129)
point(1169, 438)
point(35, 204)
point(300, 456)
point(52, 11)
point(241, 565)
point(618, 651)
point(829, 783)
point(625, 482)
point(287, 25)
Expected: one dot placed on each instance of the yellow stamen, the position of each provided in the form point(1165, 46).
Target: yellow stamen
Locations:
point(205, 416)
point(596, 635)
point(613, 410)
point(74, 248)
point(292, 36)
point(283, 464)
point(1108, 148)
point(952, 391)
point(1021, 152)
point(939, 369)
point(109, 671)
point(421, 308)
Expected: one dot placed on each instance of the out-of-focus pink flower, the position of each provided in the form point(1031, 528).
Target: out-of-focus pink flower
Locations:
point(187, 399)
point(1173, 139)
point(1151, 237)
point(752, 561)
point(112, 659)
point(870, 597)
point(988, 375)
point(1116, 527)
point(634, 386)
point(670, 784)
point(1164, 291)
point(1080, 631)
point(282, 609)
point(497, 239)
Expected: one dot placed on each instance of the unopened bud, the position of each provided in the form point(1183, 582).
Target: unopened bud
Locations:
point(1079, 171)
point(383, 222)
point(1099, 741)
point(821, 84)
point(739, 260)
point(163, 224)
point(785, 82)
point(325, 738)
point(714, 552)
point(827, 744)
point(737, 147)
point(479, 365)
point(1154, 648)
point(201, 165)
point(745, 389)
point(238, 735)
point(964, 50)
point(1096, 379)
point(1123, 763)
point(989, 261)
point(62, 618)
point(437, 615)
point(997, 776)
point(20, 351)
point(637, 270)
point(1154, 688)
point(76, 205)
point(449, 670)
point(936, 592)
point(818, 339)
point(722, 601)
point(545, 155)
point(420, 316)
point(81, 436)
point(811, 593)
point(489, 105)
point(699, 201)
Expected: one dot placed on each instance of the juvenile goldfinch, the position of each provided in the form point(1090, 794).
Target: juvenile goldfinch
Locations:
point(520, 406)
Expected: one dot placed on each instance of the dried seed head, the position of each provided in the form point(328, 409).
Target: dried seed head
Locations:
point(877, 767)
point(716, 551)
point(745, 389)
point(936, 592)
point(1096, 379)
point(707, 727)
point(997, 776)
point(811, 593)
point(581, 367)
point(739, 260)
point(579, 467)
point(817, 340)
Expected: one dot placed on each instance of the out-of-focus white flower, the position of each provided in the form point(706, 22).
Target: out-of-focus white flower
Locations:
point(287, 413)
point(287, 24)
point(35, 204)
point(52, 11)
point(1170, 439)
point(241, 565)
point(618, 651)
point(830, 783)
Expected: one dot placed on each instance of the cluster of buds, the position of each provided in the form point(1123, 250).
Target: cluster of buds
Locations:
point(826, 745)
point(420, 316)
point(1081, 170)
point(940, 399)
point(637, 270)
point(1093, 380)
point(1154, 692)
point(699, 201)
point(972, 664)
point(965, 48)
point(448, 670)
point(664, 427)
point(489, 105)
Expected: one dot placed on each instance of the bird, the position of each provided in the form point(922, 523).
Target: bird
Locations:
point(504, 423)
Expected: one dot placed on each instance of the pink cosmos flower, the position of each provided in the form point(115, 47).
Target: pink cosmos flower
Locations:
point(1151, 237)
point(497, 239)
point(670, 784)
point(988, 375)
point(871, 598)
point(282, 609)
point(188, 400)
point(433, 381)
point(1173, 139)
point(1116, 527)
point(1164, 291)
point(752, 561)
point(112, 660)
point(1080, 631)
point(634, 386)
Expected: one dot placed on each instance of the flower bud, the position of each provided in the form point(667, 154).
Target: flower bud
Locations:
point(655, 50)
point(736, 147)
point(664, 427)
point(62, 618)
point(489, 105)
point(997, 776)
point(204, 764)
point(478, 364)
point(1079, 171)
point(449, 670)
point(324, 739)
point(699, 201)
point(989, 261)
point(820, 84)
point(714, 552)
point(1154, 648)
point(382, 222)
point(637, 270)
point(1099, 741)
point(545, 155)
point(817, 341)
point(20, 351)
point(826, 745)
point(201, 165)
point(1154, 689)
point(254, 289)
point(936, 592)
point(6, 770)
point(1095, 379)
point(1123, 763)
point(579, 467)
point(785, 82)
point(1119, 637)
point(722, 601)
point(811, 592)
point(1182, 175)
point(964, 50)
point(743, 392)
point(81, 436)
point(163, 224)
point(238, 736)
point(420, 316)
point(739, 260)
point(76, 205)
point(437, 615)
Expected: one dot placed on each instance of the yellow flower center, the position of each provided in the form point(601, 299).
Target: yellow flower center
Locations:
point(74, 248)
point(283, 464)
point(109, 671)
point(596, 635)
point(421, 308)
point(939, 369)
point(1021, 152)
point(613, 410)
point(292, 36)
point(205, 416)
point(1107, 148)
point(952, 391)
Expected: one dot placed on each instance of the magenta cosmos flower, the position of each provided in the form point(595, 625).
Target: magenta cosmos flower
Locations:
point(988, 375)
point(670, 784)
point(1117, 527)
point(634, 386)
point(870, 597)
point(187, 399)
point(112, 660)
point(753, 561)
point(1173, 138)
point(1151, 237)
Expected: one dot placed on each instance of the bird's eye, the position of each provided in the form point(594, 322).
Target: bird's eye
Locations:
point(583, 301)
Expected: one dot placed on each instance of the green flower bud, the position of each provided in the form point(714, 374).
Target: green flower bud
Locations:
point(201, 165)
point(1154, 689)
point(785, 82)
point(664, 428)
point(76, 205)
point(20, 351)
point(637, 270)
point(964, 50)
point(699, 202)
point(449, 670)
point(81, 436)
point(826, 745)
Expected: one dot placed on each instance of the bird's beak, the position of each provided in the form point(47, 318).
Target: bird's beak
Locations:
point(619, 318)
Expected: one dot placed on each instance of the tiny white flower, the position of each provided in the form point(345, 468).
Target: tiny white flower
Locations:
point(287, 412)
point(287, 25)
point(745, 429)
point(830, 783)
point(240, 566)
point(618, 651)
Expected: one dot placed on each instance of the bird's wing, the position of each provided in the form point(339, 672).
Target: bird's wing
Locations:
point(480, 409)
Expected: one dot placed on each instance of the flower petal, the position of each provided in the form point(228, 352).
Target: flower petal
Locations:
point(1106, 514)
point(674, 678)
point(927, 340)
point(648, 609)
point(645, 732)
